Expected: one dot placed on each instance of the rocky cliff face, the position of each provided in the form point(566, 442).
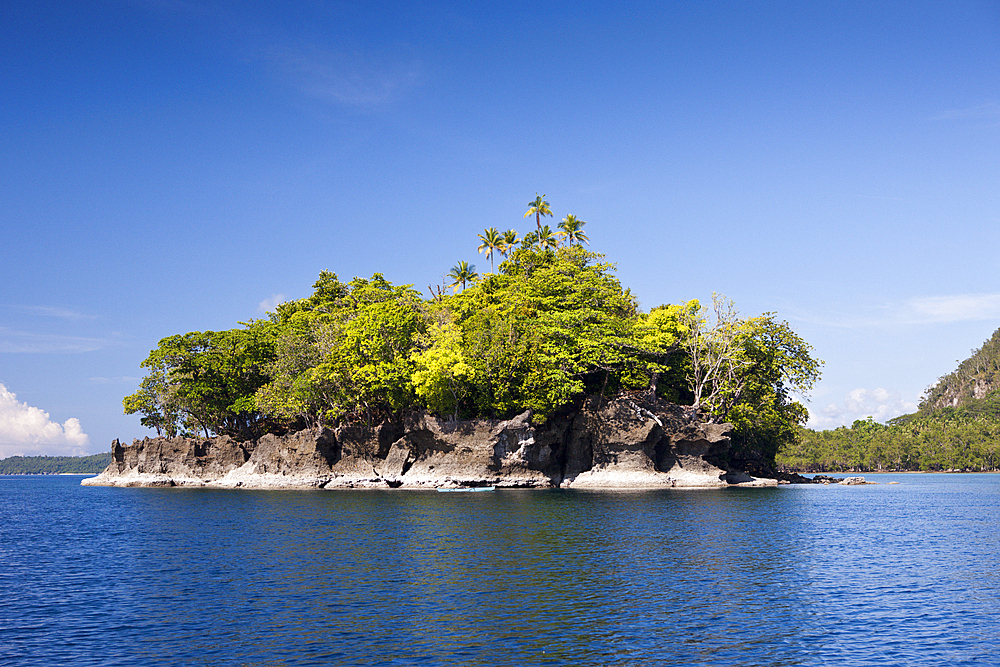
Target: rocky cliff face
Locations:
point(630, 442)
point(975, 378)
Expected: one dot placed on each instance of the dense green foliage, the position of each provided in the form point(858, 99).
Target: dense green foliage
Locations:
point(945, 440)
point(974, 378)
point(953, 430)
point(53, 465)
point(550, 326)
point(746, 372)
point(206, 381)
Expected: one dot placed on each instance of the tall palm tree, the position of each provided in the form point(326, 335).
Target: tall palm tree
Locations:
point(509, 241)
point(572, 230)
point(539, 207)
point(547, 238)
point(462, 273)
point(491, 241)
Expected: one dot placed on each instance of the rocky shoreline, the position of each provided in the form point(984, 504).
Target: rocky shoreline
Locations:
point(632, 442)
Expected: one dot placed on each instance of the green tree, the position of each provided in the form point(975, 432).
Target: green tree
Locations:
point(442, 374)
point(547, 240)
point(156, 402)
point(572, 230)
point(295, 396)
point(658, 360)
point(461, 274)
point(946, 438)
point(538, 207)
point(716, 378)
point(777, 366)
point(491, 241)
point(509, 241)
point(347, 357)
point(550, 327)
point(748, 372)
point(208, 379)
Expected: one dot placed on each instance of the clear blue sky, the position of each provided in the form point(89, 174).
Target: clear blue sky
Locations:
point(177, 165)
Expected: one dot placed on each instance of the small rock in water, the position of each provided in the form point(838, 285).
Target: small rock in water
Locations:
point(850, 481)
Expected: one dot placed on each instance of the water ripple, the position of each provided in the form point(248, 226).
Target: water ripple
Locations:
point(871, 575)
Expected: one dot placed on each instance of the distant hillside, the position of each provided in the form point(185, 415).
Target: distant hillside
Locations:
point(975, 378)
point(956, 428)
point(49, 465)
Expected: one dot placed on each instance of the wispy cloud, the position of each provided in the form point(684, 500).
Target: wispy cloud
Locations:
point(354, 80)
point(952, 308)
point(881, 197)
point(177, 6)
point(52, 311)
point(124, 379)
point(978, 112)
point(942, 309)
point(360, 79)
point(13, 341)
point(881, 404)
point(28, 431)
point(271, 302)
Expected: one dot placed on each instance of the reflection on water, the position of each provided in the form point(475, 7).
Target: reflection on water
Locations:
point(787, 576)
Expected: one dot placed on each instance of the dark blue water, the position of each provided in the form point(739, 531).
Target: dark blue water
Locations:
point(874, 575)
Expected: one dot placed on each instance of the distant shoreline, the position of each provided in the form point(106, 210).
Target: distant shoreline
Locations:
point(896, 472)
point(91, 464)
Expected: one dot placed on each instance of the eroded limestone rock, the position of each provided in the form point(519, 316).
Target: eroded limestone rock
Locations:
point(629, 442)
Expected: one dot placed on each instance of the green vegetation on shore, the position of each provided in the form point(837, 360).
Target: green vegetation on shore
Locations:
point(54, 465)
point(956, 428)
point(550, 326)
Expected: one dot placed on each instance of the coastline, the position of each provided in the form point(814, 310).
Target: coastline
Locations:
point(628, 443)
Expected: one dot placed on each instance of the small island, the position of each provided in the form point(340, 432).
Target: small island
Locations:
point(541, 372)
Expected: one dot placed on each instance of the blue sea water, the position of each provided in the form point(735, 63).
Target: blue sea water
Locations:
point(798, 575)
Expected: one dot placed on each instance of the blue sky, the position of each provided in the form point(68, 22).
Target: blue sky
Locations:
point(176, 165)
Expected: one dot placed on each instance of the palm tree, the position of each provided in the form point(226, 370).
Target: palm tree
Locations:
point(491, 241)
point(509, 240)
point(539, 207)
point(462, 273)
point(572, 230)
point(547, 239)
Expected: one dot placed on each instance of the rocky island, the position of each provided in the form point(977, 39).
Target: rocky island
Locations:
point(629, 442)
point(544, 373)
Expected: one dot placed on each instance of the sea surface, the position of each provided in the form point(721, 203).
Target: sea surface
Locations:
point(886, 574)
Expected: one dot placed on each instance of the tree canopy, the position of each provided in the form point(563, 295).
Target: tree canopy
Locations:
point(552, 325)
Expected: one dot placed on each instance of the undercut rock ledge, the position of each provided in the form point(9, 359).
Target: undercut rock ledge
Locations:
point(632, 442)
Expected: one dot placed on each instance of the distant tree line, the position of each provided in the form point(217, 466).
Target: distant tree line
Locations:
point(550, 326)
point(53, 465)
point(951, 438)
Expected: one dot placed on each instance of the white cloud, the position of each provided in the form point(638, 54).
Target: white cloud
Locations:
point(880, 404)
point(953, 308)
point(28, 431)
point(271, 302)
point(347, 80)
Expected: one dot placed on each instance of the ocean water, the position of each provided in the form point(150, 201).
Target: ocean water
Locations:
point(902, 574)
